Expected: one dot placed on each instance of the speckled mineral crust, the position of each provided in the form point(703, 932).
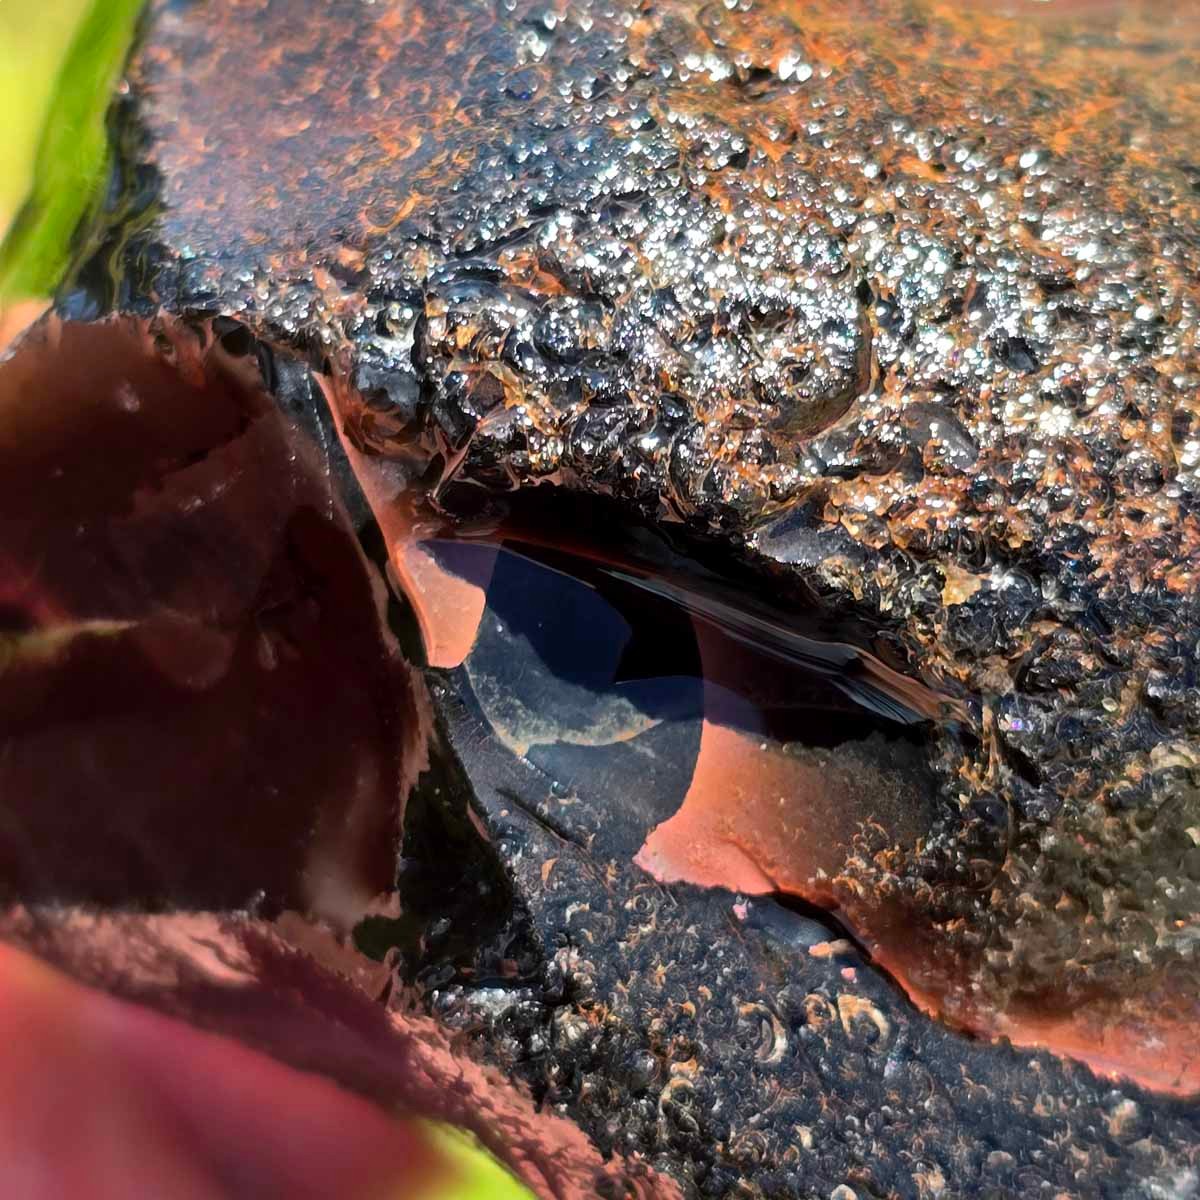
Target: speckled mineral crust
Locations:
point(898, 301)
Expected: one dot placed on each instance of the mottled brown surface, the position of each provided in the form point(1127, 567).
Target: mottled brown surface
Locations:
point(901, 301)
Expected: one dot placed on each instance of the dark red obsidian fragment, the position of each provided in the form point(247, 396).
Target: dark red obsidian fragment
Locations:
point(156, 1107)
point(292, 990)
point(203, 711)
point(201, 704)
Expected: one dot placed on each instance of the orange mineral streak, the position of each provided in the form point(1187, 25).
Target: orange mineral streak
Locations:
point(1162, 1046)
point(756, 822)
point(733, 830)
point(762, 817)
point(448, 609)
point(1148, 1038)
point(760, 820)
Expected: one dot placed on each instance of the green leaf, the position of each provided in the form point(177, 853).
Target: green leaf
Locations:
point(71, 149)
point(478, 1176)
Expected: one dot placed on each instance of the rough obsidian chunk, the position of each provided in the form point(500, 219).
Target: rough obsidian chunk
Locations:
point(905, 311)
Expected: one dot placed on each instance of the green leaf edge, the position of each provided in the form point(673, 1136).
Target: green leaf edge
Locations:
point(477, 1175)
point(72, 152)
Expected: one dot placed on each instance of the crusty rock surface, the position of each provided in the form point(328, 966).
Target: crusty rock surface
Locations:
point(901, 303)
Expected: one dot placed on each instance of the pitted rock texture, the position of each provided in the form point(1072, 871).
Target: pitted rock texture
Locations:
point(743, 1049)
point(904, 303)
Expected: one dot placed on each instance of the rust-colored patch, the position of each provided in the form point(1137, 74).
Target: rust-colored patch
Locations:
point(16, 318)
point(760, 818)
point(448, 608)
